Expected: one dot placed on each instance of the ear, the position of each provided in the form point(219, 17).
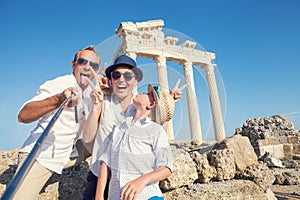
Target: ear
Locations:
point(73, 64)
point(150, 106)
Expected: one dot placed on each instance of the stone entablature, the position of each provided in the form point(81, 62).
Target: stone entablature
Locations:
point(151, 42)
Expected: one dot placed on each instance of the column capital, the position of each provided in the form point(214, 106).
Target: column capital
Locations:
point(210, 69)
point(187, 66)
point(187, 63)
point(160, 60)
point(131, 54)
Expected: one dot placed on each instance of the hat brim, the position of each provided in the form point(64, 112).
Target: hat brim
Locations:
point(137, 72)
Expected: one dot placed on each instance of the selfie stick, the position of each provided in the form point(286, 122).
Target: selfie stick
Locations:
point(26, 166)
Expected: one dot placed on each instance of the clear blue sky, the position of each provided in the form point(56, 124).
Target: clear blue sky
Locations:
point(257, 44)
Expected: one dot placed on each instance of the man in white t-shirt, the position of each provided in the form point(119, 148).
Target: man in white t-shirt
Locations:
point(56, 151)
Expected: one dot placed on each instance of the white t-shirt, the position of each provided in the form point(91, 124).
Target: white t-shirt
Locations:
point(58, 146)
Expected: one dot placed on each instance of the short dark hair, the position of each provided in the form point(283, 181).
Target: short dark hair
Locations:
point(89, 48)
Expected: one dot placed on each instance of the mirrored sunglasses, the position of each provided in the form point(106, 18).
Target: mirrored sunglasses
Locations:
point(82, 61)
point(157, 90)
point(127, 75)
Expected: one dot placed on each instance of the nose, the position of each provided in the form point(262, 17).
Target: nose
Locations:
point(122, 78)
point(86, 67)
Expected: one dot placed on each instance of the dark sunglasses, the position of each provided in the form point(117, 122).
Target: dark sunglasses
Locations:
point(127, 75)
point(82, 61)
point(157, 90)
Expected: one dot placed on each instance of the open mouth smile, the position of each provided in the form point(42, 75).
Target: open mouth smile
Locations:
point(84, 74)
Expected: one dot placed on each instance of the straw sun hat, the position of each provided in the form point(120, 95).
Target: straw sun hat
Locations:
point(164, 106)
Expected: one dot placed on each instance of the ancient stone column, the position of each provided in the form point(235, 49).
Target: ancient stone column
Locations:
point(162, 74)
point(215, 103)
point(194, 118)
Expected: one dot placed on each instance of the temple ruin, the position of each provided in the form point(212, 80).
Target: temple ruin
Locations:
point(146, 39)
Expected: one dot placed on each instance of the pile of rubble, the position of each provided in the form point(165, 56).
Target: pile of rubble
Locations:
point(274, 139)
point(260, 155)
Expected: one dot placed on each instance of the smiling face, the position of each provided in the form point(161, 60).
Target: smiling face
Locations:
point(123, 88)
point(83, 69)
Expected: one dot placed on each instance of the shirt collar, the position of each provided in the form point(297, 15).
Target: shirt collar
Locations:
point(130, 110)
point(143, 121)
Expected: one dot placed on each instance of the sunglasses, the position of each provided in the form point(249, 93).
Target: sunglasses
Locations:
point(127, 75)
point(157, 90)
point(82, 61)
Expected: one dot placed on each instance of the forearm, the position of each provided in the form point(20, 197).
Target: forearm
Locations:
point(157, 175)
point(91, 125)
point(34, 110)
point(102, 180)
point(134, 187)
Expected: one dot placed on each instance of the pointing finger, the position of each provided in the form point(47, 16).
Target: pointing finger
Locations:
point(93, 71)
point(182, 87)
point(90, 82)
point(176, 85)
point(95, 75)
point(103, 69)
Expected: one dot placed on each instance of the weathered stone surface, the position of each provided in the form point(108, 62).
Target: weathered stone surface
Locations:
point(260, 174)
point(287, 176)
point(196, 171)
point(273, 134)
point(223, 161)
point(241, 149)
point(270, 161)
point(185, 172)
point(225, 190)
point(205, 171)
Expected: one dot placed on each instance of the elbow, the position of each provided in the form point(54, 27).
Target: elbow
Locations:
point(86, 139)
point(88, 146)
point(23, 118)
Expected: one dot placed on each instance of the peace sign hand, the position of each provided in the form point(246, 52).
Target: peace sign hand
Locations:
point(101, 80)
point(177, 92)
point(101, 83)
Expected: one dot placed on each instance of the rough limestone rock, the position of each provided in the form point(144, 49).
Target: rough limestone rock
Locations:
point(225, 190)
point(205, 171)
point(287, 176)
point(273, 135)
point(225, 170)
point(223, 161)
point(185, 172)
point(260, 174)
point(241, 149)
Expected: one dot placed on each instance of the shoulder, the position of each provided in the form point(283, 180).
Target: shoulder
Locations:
point(65, 79)
point(59, 83)
point(155, 125)
point(152, 129)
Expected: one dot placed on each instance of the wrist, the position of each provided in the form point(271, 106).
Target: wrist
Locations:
point(145, 180)
point(60, 98)
point(98, 103)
